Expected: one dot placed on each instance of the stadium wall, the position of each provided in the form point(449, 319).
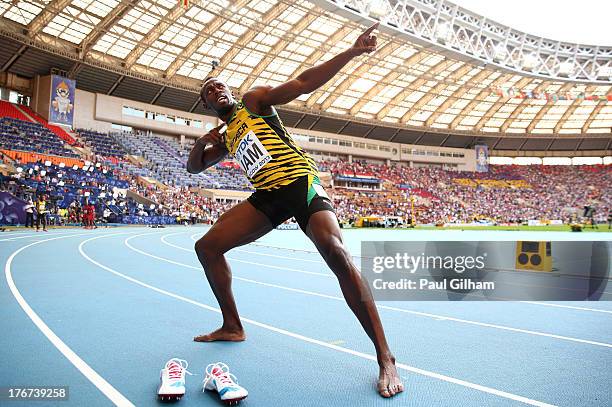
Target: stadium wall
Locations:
point(110, 109)
point(99, 112)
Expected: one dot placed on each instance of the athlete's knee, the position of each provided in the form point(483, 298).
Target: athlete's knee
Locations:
point(206, 247)
point(337, 256)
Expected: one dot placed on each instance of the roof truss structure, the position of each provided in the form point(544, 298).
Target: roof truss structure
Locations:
point(415, 80)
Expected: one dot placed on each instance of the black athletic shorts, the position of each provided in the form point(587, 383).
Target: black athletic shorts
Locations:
point(300, 199)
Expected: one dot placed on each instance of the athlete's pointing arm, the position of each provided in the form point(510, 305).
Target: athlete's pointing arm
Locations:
point(311, 79)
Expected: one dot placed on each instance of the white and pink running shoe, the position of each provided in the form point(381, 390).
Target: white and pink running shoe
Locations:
point(219, 379)
point(172, 380)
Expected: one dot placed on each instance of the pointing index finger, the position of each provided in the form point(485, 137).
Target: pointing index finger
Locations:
point(372, 28)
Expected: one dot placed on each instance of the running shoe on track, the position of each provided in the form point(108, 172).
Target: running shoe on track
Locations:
point(219, 379)
point(172, 380)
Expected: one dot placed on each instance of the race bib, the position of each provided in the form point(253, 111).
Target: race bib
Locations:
point(251, 154)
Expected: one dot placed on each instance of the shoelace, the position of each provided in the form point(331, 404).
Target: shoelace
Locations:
point(219, 371)
point(176, 367)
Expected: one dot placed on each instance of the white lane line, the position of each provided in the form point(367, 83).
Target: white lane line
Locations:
point(40, 234)
point(380, 306)
point(237, 260)
point(548, 304)
point(193, 237)
point(278, 256)
point(281, 331)
point(97, 380)
point(256, 244)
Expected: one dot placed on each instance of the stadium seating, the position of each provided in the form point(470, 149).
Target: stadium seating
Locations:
point(17, 134)
point(169, 160)
point(102, 143)
point(57, 130)
point(504, 194)
point(9, 110)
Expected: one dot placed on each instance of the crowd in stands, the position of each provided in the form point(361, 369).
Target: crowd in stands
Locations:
point(45, 166)
point(167, 160)
point(16, 134)
point(102, 144)
point(505, 194)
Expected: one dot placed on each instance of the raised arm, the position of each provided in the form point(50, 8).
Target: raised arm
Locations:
point(207, 151)
point(261, 98)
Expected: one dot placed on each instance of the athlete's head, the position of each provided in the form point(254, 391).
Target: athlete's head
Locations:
point(216, 95)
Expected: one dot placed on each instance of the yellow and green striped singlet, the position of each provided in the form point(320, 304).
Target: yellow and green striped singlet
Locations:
point(265, 150)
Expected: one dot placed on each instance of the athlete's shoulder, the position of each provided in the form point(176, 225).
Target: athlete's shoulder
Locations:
point(253, 100)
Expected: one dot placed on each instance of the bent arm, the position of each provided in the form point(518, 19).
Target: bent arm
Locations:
point(202, 157)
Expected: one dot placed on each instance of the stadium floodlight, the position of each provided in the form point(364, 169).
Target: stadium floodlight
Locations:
point(443, 31)
point(530, 61)
point(605, 71)
point(500, 52)
point(378, 8)
point(566, 68)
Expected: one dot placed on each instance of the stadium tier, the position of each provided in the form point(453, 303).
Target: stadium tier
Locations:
point(505, 194)
point(101, 143)
point(18, 134)
point(168, 161)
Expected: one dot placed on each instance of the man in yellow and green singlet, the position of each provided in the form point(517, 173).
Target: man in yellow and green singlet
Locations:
point(286, 185)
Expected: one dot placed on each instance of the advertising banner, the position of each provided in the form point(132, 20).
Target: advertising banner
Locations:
point(61, 108)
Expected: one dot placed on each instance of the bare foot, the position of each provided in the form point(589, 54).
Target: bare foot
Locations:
point(389, 382)
point(222, 334)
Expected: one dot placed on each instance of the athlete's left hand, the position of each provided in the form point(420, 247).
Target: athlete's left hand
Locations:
point(365, 43)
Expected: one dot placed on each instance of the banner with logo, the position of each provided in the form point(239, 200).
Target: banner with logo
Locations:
point(12, 210)
point(61, 108)
point(482, 158)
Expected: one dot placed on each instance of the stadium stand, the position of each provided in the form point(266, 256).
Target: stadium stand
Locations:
point(168, 161)
point(506, 194)
point(18, 134)
point(9, 110)
point(101, 143)
point(57, 130)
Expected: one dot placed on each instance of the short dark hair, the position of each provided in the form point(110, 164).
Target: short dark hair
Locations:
point(204, 86)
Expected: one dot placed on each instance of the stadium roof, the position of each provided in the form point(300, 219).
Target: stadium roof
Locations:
point(430, 81)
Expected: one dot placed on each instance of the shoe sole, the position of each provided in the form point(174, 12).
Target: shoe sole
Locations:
point(230, 402)
point(169, 397)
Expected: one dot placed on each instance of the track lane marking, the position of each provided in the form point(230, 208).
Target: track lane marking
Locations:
point(541, 303)
point(106, 388)
point(281, 331)
point(380, 306)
